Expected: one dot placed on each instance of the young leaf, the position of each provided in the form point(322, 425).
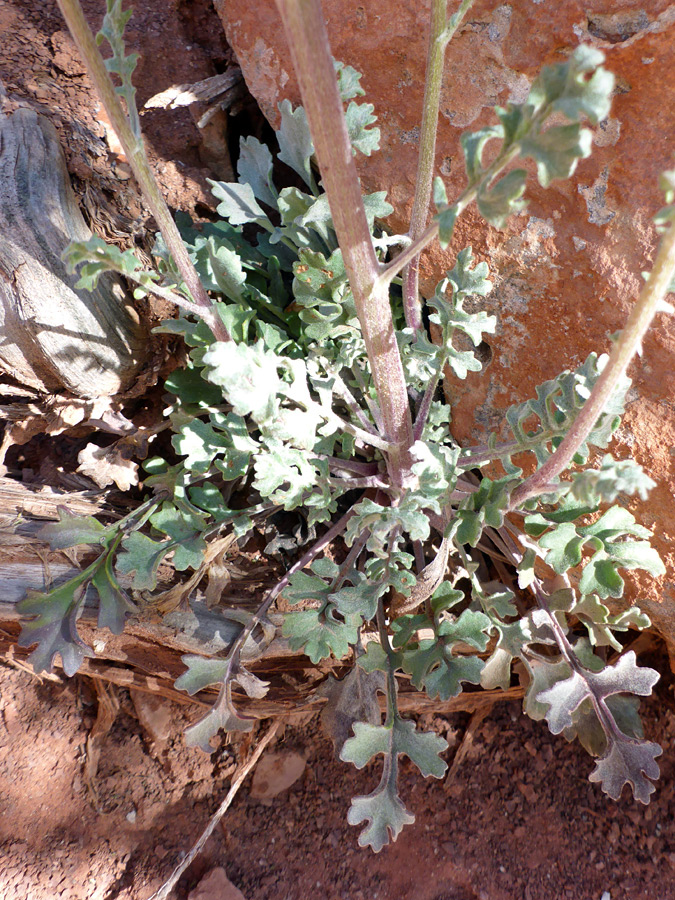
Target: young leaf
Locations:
point(502, 200)
point(557, 151)
point(349, 81)
point(112, 30)
point(360, 118)
point(247, 375)
point(613, 478)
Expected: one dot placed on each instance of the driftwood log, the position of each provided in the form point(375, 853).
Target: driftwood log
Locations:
point(52, 335)
point(147, 656)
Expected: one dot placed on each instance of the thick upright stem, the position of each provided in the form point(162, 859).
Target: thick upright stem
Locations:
point(622, 353)
point(135, 153)
point(306, 35)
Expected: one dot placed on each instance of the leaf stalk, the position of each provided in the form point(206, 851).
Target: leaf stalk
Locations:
point(135, 153)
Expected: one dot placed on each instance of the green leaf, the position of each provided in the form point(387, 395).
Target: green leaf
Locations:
point(94, 257)
point(401, 737)
point(471, 280)
point(238, 204)
point(628, 762)
point(247, 375)
point(192, 389)
point(600, 624)
point(223, 715)
point(114, 602)
point(319, 634)
point(71, 530)
point(451, 316)
point(564, 547)
point(431, 662)
point(360, 118)
point(382, 809)
point(473, 145)
point(226, 270)
point(556, 407)
point(200, 443)
point(446, 219)
point(112, 30)
point(254, 168)
point(569, 89)
point(284, 475)
point(349, 81)
point(141, 556)
point(613, 478)
point(502, 200)
point(381, 520)
point(50, 620)
point(557, 151)
point(385, 814)
point(295, 141)
point(375, 658)
point(564, 703)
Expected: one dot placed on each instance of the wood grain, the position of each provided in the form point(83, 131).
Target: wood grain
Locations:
point(53, 336)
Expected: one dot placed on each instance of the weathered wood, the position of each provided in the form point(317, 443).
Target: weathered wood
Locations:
point(147, 656)
point(52, 336)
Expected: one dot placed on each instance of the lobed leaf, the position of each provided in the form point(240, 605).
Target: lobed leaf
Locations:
point(49, 619)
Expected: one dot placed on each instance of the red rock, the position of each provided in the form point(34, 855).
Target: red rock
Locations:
point(568, 269)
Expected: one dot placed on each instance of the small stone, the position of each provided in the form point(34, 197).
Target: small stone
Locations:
point(275, 773)
point(216, 886)
point(154, 714)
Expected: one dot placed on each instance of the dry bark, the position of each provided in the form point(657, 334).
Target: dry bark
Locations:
point(53, 336)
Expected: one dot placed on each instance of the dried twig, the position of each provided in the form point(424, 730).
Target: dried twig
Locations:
point(171, 882)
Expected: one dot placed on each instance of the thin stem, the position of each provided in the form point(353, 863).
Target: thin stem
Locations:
point(370, 439)
point(343, 391)
point(389, 272)
point(375, 411)
point(308, 41)
point(440, 33)
point(236, 783)
point(425, 405)
point(427, 157)
point(620, 357)
point(334, 531)
point(351, 558)
point(349, 484)
point(136, 156)
point(349, 465)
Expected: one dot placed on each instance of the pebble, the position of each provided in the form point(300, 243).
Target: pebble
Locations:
point(216, 886)
point(275, 773)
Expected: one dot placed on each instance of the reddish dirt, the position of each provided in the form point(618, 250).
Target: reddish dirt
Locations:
point(517, 820)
